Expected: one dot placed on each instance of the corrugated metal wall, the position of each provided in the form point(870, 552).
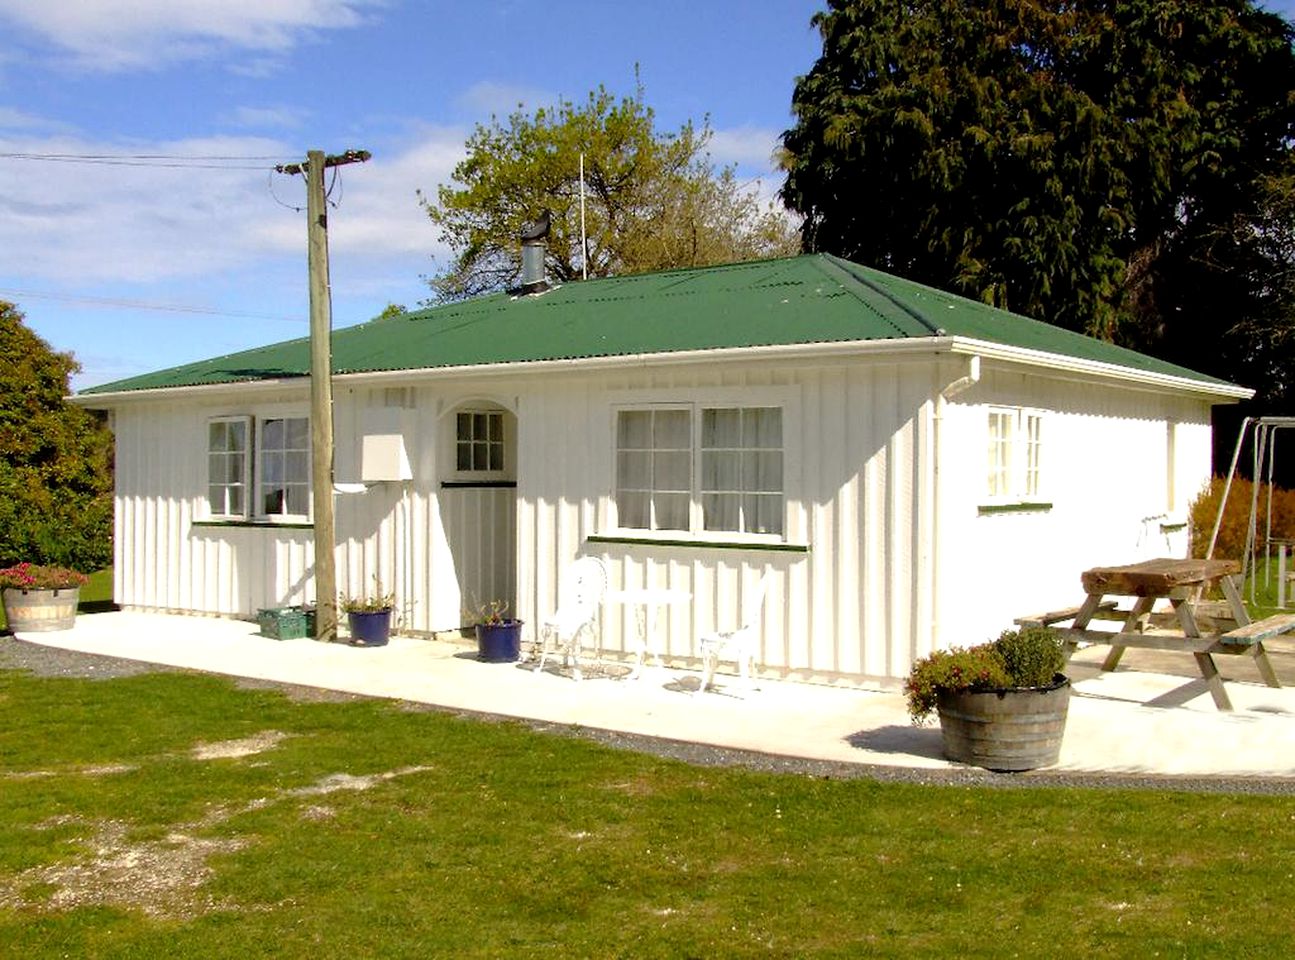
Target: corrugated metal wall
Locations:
point(859, 597)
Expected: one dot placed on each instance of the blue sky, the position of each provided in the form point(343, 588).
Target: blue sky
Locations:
point(89, 251)
point(86, 250)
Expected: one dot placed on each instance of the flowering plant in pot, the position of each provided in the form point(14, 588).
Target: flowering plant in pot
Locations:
point(1001, 704)
point(40, 598)
point(369, 616)
point(499, 636)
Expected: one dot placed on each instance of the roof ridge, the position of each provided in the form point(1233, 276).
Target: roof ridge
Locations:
point(837, 264)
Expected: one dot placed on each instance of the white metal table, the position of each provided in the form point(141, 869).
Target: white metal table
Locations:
point(646, 601)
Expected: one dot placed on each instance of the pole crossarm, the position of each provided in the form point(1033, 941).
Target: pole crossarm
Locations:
point(332, 160)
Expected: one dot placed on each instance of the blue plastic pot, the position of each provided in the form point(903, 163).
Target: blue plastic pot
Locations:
point(499, 642)
point(370, 629)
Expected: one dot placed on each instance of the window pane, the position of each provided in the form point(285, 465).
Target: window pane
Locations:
point(297, 468)
point(480, 459)
point(762, 513)
point(670, 511)
point(216, 499)
point(463, 426)
point(235, 501)
point(271, 467)
point(272, 499)
point(720, 511)
point(672, 430)
point(272, 435)
point(298, 500)
point(497, 427)
point(217, 436)
point(762, 472)
point(496, 456)
point(236, 432)
point(297, 432)
point(762, 428)
point(633, 509)
point(479, 429)
point(634, 471)
point(672, 471)
point(634, 429)
point(721, 428)
point(720, 471)
point(464, 458)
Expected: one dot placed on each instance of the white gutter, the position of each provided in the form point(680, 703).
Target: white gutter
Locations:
point(906, 347)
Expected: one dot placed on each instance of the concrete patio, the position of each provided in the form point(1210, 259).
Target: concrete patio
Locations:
point(1152, 716)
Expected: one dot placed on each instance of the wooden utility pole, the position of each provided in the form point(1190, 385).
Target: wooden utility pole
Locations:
point(321, 381)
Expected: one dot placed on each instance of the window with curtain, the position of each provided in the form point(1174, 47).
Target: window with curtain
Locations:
point(1015, 454)
point(227, 466)
point(700, 469)
point(284, 460)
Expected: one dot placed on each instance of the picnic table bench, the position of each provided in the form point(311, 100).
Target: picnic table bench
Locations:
point(1181, 582)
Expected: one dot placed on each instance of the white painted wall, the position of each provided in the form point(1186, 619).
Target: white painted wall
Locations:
point(872, 591)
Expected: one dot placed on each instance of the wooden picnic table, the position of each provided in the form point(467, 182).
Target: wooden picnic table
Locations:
point(1182, 582)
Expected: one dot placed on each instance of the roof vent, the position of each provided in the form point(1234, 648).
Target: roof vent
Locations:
point(533, 248)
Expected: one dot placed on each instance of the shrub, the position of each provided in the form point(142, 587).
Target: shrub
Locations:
point(1030, 657)
point(1231, 543)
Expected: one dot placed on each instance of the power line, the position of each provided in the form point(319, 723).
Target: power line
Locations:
point(143, 305)
point(172, 161)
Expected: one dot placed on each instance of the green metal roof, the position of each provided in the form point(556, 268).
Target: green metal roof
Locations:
point(815, 298)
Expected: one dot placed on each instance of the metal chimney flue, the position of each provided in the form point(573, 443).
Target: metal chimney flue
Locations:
point(534, 246)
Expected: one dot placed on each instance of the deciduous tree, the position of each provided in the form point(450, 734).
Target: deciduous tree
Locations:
point(653, 200)
point(55, 458)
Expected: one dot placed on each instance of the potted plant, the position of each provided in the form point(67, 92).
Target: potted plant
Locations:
point(499, 637)
point(1002, 704)
point(40, 598)
point(369, 616)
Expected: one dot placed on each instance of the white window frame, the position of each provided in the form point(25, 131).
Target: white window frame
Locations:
point(1014, 456)
point(487, 444)
point(261, 485)
point(220, 511)
point(696, 514)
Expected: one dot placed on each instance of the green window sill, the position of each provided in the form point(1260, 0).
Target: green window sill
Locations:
point(989, 509)
point(258, 524)
point(704, 544)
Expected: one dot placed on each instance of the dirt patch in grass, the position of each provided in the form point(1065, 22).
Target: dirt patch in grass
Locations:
point(162, 878)
point(345, 781)
point(245, 747)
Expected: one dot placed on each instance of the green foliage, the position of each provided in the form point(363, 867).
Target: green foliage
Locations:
point(1030, 657)
point(488, 839)
point(30, 576)
point(653, 200)
point(1122, 169)
point(55, 459)
point(1231, 543)
point(373, 601)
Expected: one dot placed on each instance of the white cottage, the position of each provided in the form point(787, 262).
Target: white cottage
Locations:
point(911, 468)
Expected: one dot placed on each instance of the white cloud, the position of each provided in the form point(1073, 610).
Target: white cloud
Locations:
point(266, 118)
point(490, 98)
point(14, 119)
point(128, 34)
point(93, 224)
point(751, 148)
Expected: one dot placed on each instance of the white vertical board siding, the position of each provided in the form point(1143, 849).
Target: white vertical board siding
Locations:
point(851, 435)
point(1105, 476)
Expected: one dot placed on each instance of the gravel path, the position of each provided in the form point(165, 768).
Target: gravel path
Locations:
point(46, 661)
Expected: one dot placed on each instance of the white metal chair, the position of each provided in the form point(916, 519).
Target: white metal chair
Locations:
point(738, 645)
point(580, 592)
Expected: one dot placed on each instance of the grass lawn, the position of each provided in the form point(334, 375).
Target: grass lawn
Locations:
point(174, 815)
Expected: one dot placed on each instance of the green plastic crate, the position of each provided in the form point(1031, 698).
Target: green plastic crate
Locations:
point(282, 623)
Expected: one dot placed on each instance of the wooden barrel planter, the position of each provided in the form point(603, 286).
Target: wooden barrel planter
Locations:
point(41, 611)
point(1018, 728)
